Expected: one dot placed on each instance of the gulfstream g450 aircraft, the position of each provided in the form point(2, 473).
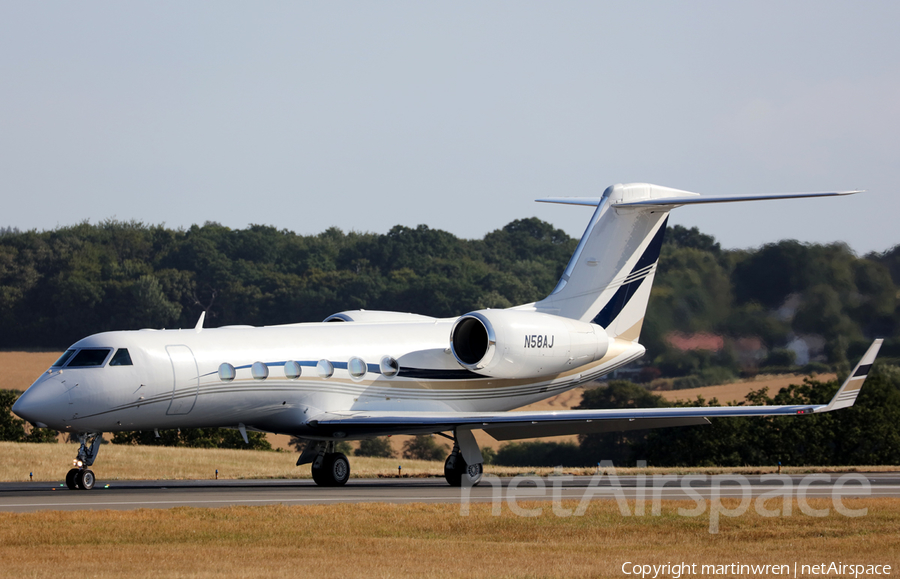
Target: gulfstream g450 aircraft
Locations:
point(362, 374)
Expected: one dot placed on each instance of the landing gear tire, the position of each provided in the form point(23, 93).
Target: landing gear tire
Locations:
point(85, 479)
point(454, 469)
point(458, 471)
point(70, 479)
point(334, 470)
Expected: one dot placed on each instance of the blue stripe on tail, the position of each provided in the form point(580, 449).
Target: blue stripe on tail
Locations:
point(623, 295)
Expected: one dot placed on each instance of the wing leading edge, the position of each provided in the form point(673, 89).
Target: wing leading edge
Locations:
point(520, 424)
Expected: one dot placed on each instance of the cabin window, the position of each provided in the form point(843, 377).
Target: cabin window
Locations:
point(259, 371)
point(63, 359)
point(89, 357)
point(121, 358)
point(226, 372)
point(356, 367)
point(325, 369)
point(389, 367)
point(291, 369)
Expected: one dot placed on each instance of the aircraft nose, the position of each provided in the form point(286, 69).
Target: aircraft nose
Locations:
point(37, 403)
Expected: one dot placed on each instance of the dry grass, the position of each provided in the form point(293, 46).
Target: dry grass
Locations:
point(424, 540)
point(19, 370)
point(736, 391)
point(49, 462)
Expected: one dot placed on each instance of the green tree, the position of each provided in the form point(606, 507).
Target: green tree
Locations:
point(195, 438)
point(540, 453)
point(681, 236)
point(423, 447)
point(615, 446)
point(150, 307)
point(378, 447)
point(13, 428)
point(867, 434)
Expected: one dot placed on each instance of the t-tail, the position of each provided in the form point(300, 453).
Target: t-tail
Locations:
point(610, 275)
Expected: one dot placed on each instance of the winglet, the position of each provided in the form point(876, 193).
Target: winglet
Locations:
point(849, 390)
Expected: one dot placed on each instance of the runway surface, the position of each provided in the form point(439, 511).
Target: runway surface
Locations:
point(124, 495)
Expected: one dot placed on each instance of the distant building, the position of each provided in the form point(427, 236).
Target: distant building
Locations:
point(701, 341)
point(789, 308)
point(750, 351)
point(807, 348)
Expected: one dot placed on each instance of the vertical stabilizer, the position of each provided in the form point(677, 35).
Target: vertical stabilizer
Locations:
point(608, 278)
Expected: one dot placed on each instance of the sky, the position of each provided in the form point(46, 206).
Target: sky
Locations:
point(365, 115)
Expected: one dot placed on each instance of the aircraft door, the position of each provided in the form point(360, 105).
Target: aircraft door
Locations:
point(185, 379)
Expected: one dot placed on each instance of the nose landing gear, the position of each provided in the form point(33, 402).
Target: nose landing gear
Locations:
point(80, 477)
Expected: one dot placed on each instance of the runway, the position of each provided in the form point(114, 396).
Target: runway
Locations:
point(126, 495)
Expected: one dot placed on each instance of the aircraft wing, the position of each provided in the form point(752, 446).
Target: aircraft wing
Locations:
point(524, 424)
point(512, 425)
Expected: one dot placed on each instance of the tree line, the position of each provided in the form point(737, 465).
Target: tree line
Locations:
point(58, 286)
point(866, 434)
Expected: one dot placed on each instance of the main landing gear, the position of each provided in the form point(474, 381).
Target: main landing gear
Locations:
point(464, 466)
point(329, 468)
point(80, 477)
point(457, 470)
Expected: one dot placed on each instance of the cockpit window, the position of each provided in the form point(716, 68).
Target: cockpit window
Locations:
point(121, 358)
point(63, 359)
point(89, 357)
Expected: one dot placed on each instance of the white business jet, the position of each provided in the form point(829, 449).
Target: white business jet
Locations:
point(361, 374)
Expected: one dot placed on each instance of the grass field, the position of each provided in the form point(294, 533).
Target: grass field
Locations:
point(49, 462)
point(400, 540)
point(736, 391)
point(426, 540)
point(19, 370)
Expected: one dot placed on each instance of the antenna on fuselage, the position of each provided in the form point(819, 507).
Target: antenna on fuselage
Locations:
point(199, 325)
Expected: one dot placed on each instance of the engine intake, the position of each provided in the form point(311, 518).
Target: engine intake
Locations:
point(472, 338)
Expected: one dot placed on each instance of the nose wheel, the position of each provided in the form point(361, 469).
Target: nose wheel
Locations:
point(81, 477)
point(70, 479)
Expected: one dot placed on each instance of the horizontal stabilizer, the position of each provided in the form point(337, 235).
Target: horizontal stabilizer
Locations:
point(679, 201)
point(672, 202)
point(586, 201)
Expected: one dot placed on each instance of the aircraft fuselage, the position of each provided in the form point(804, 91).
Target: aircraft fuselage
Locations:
point(174, 379)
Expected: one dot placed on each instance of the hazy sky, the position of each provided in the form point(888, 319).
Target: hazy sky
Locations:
point(365, 115)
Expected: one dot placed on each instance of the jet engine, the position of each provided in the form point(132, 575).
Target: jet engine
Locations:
point(516, 343)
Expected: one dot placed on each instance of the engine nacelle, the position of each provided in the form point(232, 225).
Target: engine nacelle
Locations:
point(515, 343)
